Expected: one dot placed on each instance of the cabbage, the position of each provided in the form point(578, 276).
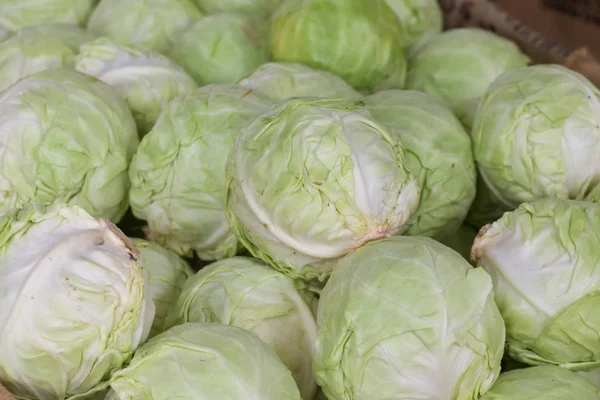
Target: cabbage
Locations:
point(146, 80)
point(537, 134)
point(359, 40)
point(543, 383)
point(407, 318)
point(543, 259)
point(178, 172)
point(258, 7)
point(458, 65)
point(65, 136)
point(74, 298)
point(283, 81)
point(17, 14)
point(438, 153)
point(221, 48)
point(314, 179)
point(204, 361)
point(38, 48)
point(421, 20)
point(153, 24)
point(245, 292)
point(167, 272)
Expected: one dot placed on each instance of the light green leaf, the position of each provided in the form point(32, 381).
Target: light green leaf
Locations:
point(145, 79)
point(17, 14)
point(245, 7)
point(38, 48)
point(421, 20)
point(152, 24)
point(359, 40)
point(542, 383)
point(458, 65)
point(438, 153)
point(407, 318)
point(65, 136)
point(221, 48)
point(283, 81)
point(204, 361)
point(166, 272)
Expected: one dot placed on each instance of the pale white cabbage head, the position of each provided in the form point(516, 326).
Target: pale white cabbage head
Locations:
point(407, 318)
point(145, 79)
point(245, 292)
point(74, 301)
point(313, 179)
point(204, 361)
point(543, 259)
point(38, 48)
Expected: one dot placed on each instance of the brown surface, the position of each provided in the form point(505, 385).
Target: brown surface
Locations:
point(576, 23)
point(5, 395)
point(540, 47)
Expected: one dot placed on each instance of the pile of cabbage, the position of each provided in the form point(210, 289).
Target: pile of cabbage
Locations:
point(291, 200)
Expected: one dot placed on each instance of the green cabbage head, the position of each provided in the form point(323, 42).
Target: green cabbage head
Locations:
point(153, 24)
point(17, 14)
point(38, 48)
point(245, 292)
point(421, 20)
point(438, 153)
point(221, 48)
point(145, 79)
point(458, 65)
point(407, 318)
point(537, 134)
point(282, 81)
point(178, 172)
point(245, 7)
point(313, 179)
point(167, 272)
point(543, 260)
point(65, 136)
point(544, 382)
point(74, 298)
point(359, 40)
point(204, 361)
